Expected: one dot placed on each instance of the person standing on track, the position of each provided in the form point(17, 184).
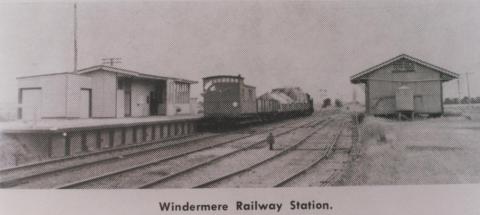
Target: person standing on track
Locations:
point(271, 140)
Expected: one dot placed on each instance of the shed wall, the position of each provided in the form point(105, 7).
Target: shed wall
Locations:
point(383, 83)
point(60, 94)
point(75, 84)
point(52, 94)
point(104, 89)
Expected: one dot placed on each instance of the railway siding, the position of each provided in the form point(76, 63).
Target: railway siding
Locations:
point(222, 167)
point(127, 169)
point(280, 168)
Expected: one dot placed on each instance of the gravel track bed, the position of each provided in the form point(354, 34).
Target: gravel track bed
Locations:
point(275, 171)
point(143, 175)
point(14, 173)
point(319, 174)
point(123, 179)
point(336, 163)
point(63, 167)
point(70, 175)
point(231, 163)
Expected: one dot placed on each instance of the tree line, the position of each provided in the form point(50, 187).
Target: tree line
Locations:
point(464, 100)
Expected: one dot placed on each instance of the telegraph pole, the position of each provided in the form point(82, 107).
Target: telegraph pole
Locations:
point(111, 61)
point(459, 94)
point(468, 86)
point(75, 48)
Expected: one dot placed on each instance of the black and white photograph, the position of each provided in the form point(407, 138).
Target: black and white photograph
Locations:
point(207, 95)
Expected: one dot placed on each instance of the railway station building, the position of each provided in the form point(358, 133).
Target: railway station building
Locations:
point(102, 92)
point(404, 84)
point(97, 108)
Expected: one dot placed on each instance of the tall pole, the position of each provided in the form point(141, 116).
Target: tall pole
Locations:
point(75, 49)
point(468, 87)
point(459, 94)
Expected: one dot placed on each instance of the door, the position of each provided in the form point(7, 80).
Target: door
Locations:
point(160, 98)
point(128, 98)
point(85, 103)
point(153, 104)
point(31, 100)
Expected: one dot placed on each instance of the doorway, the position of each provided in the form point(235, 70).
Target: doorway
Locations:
point(31, 103)
point(127, 88)
point(85, 103)
point(158, 99)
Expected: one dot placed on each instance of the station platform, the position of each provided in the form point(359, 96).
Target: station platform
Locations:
point(56, 138)
point(65, 125)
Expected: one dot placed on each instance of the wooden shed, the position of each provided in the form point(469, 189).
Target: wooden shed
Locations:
point(404, 76)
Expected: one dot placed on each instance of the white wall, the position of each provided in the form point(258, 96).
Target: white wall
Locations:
point(56, 100)
point(75, 84)
point(104, 93)
point(107, 101)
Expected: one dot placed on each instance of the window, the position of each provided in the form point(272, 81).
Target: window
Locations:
point(182, 93)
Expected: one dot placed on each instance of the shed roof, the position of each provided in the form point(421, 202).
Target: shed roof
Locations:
point(357, 78)
point(131, 73)
point(49, 74)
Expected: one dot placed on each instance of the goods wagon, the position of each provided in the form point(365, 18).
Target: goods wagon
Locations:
point(229, 99)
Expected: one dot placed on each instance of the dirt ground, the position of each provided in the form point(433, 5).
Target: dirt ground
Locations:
point(428, 151)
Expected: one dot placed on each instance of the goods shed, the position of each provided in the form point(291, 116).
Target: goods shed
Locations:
point(102, 92)
point(404, 84)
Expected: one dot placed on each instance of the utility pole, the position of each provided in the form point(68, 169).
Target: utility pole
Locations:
point(459, 94)
point(75, 48)
point(468, 86)
point(111, 61)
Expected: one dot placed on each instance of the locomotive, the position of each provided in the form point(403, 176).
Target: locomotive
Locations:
point(227, 99)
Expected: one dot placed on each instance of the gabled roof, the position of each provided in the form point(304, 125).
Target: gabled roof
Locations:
point(130, 73)
point(358, 77)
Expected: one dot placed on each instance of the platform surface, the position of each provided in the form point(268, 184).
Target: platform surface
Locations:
point(57, 125)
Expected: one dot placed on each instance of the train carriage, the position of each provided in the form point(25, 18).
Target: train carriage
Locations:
point(227, 99)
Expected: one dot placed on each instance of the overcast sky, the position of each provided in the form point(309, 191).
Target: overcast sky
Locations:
point(317, 45)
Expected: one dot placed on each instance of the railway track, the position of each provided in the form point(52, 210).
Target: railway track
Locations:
point(209, 162)
point(270, 171)
point(323, 156)
point(333, 166)
point(23, 174)
point(201, 174)
point(9, 176)
point(107, 179)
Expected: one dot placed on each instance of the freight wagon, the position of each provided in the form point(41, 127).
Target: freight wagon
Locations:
point(227, 99)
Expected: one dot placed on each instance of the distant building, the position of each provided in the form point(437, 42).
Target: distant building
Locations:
point(404, 84)
point(102, 92)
